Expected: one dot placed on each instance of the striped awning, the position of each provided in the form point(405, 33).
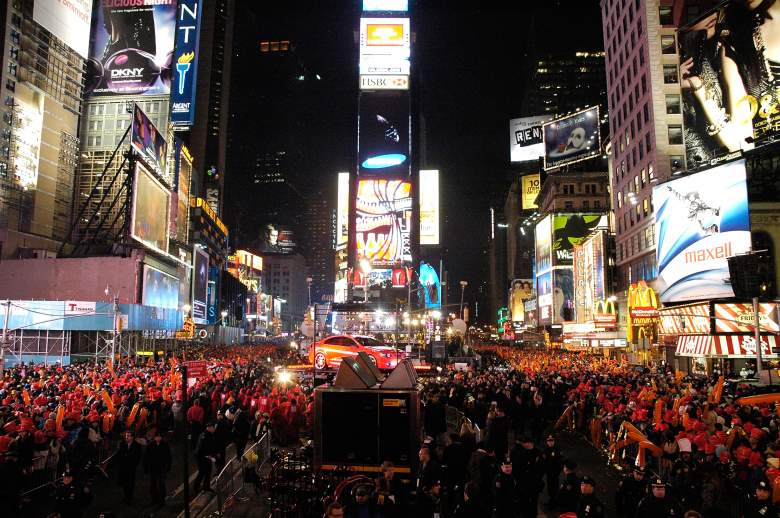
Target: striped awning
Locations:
point(734, 346)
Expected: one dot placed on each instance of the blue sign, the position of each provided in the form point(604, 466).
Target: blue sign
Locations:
point(186, 62)
point(431, 287)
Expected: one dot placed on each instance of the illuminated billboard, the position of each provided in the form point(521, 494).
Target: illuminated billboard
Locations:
point(149, 142)
point(525, 138)
point(701, 220)
point(543, 235)
point(429, 207)
point(740, 318)
point(160, 290)
point(383, 134)
point(200, 285)
point(27, 136)
point(277, 239)
point(544, 298)
point(589, 274)
point(384, 82)
point(563, 295)
point(385, 37)
point(372, 65)
point(431, 287)
point(69, 21)
point(572, 138)
point(131, 48)
point(186, 62)
point(182, 179)
point(520, 291)
point(569, 230)
point(728, 99)
point(531, 186)
point(383, 221)
point(151, 208)
point(385, 5)
point(342, 210)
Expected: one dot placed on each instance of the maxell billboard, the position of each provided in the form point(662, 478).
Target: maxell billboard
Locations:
point(186, 60)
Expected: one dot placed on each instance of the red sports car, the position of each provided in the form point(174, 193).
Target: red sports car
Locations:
point(329, 351)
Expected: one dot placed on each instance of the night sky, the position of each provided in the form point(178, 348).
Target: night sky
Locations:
point(470, 65)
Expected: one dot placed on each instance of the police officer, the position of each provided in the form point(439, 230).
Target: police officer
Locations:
point(761, 506)
point(569, 492)
point(657, 504)
point(526, 464)
point(589, 506)
point(631, 490)
point(71, 498)
point(552, 461)
point(505, 492)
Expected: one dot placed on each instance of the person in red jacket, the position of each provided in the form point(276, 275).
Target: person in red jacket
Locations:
point(195, 416)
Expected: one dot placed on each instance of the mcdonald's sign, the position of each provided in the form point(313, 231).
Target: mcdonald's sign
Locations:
point(604, 314)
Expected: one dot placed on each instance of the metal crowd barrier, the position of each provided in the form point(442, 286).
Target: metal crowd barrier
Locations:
point(231, 482)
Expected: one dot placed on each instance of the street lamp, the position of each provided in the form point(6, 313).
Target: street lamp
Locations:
point(463, 285)
point(309, 280)
point(365, 267)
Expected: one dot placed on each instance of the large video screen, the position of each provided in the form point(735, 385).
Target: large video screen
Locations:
point(569, 230)
point(429, 281)
point(383, 221)
point(730, 99)
point(572, 138)
point(160, 290)
point(131, 48)
point(389, 37)
point(525, 138)
point(149, 142)
point(543, 235)
point(200, 285)
point(383, 134)
point(277, 239)
point(151, 209)
point(429, 207)
point(342, 210)
point(589, 274)
point(701, 220)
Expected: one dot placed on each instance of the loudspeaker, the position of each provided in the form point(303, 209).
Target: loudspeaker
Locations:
point(751, 275)
point(353, 375)
point(367, 363)
point(403, 377)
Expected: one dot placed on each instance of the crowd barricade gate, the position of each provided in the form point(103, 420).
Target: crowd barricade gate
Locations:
point(231, 481)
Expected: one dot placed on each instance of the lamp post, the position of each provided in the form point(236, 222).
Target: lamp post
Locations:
point(463, 285)
point(365, 267)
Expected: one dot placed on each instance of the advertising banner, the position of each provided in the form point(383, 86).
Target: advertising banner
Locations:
point(589, 275)
point(385, 5)
point(569, 230)
point(740, 318)
point(159, 289)
point(371, 65)
point(27, 136)
point(342, 210)
point(383, 134)
point(728, 99)
point(384, 82)
point(701, 220)
point(429, 207)
point(520, 291)
point(278, 239)
point(543, 236)
point(526, 141)
point(383, 221)
point(200, 284)
point(182, 179)
point(691, 319)
point(429, 281)
point(131, 48)
point(151, 208)
point(149, 143)
point(385, 37)
point(544, 298)
point(563, 295)
point(186, 62)
point(531, 185)
point(572, 138)
point(68, 20)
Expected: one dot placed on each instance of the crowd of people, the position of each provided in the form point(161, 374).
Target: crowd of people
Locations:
point(63, 428)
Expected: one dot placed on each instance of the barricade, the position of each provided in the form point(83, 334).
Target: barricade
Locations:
point(231, 482)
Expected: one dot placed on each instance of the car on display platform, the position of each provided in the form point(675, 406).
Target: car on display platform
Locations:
point(329, 351)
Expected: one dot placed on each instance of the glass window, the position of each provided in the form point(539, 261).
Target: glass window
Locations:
point(670, 74)
point(644, 177)
point(672, 104)
point(665, 15)
point(568, 205)
point(596, 204)
point(620, 199)
point(645, 206)
point(667, 44)
point(676, 162)
point(675, 134)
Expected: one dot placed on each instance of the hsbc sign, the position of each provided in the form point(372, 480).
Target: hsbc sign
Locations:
point(384, 82)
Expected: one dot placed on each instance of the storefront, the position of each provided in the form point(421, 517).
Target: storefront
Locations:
point(727, 355)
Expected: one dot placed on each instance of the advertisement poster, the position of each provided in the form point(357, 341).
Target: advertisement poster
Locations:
point(149, 143)
point(569, 230)
point(383, 134)
point(544, 298)
point(572, 138)
point(531, 185)
point(131, 48)
point(342, 210)
point(186, 62)
point(389, 37)
point(68, 20)
point(526, 142)
point(563, 295)
point(740, 318)
point(160, 290)
point(589, 275)
point(151, 208)
point(383, 221)
point(543, 235)
point(429, 281)
point(520, 291)
point(429, 207)
point(277, 239)
point(728, 98)
point(385, 5)
point(701, 220)
point(200, 285)
point(182, 177)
